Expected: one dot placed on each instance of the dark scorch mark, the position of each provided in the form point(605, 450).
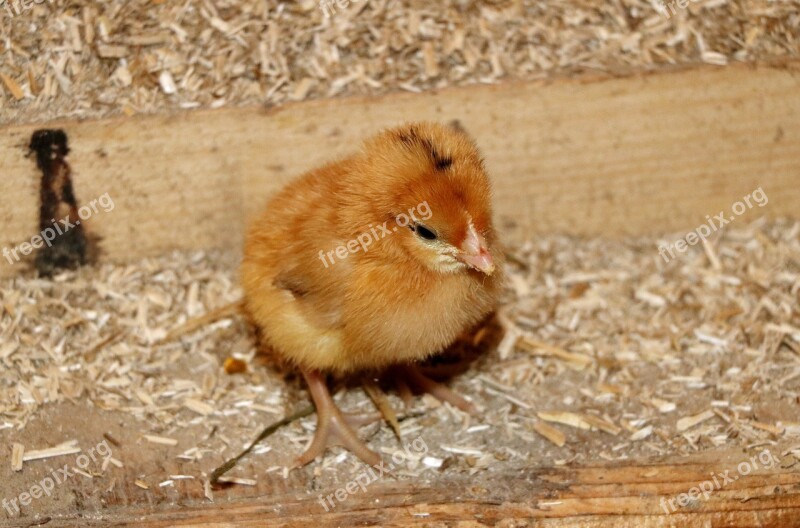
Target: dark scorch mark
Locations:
point(65, 249)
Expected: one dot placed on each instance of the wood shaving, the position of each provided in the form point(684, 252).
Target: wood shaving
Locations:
point(199, 407)
point(642, 433)
point(688, 422)
point(551, 433)
point(565, 418)
point(39, 454)
point(238, 480)
point(577, 361)
point(603, 425)
point(161, 440)
point(17, 456)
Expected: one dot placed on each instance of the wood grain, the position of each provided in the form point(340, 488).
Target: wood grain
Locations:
point(646, 153)
point(633, 494)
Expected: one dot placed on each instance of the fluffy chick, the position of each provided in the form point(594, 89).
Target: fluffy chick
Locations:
point(405, 295)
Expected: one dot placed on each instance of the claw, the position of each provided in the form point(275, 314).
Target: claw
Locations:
point(333, 426)
point(383, 404)
point(439, 391)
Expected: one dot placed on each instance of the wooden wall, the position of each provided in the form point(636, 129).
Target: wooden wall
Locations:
point(641, 153)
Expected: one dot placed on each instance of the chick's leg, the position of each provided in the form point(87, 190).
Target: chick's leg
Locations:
point(439, 391)
point(333, 427)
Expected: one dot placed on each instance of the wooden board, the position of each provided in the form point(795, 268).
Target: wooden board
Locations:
point(635, 494)
point(602, 156)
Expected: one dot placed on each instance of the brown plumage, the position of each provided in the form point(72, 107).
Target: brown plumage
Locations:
point(392, 293)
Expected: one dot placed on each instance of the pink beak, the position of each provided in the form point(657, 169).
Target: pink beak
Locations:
point(475, 252)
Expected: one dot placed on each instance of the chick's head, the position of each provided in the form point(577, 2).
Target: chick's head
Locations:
point(428, 183)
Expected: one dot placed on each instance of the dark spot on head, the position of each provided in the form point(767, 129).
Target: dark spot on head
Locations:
point(408, 137)
point(442, 163)
point(439, 161)
point(412, 139)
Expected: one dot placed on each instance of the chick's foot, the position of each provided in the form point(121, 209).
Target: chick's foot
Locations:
point(333, 426)
point(411, 374)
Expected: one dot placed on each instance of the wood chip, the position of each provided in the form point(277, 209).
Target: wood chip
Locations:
point(199, 407)
point(575, 361)
point(167, 82)
point(432, 462)
point(234, 366)
point(107, 51)
point(566, 418)
point(603, 425)
point(772, 429)
point(238, 480)
point(690, 421)
point(161, 440)
point(17, 452)
point(550, 433)
point(459, 450)
point(303, 88)
point(62, 450)
point(642, 433)
point(13, 87)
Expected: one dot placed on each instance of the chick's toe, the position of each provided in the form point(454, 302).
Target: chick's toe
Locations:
point(333, 426)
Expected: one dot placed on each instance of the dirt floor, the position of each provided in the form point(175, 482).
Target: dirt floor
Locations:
point(601, 351)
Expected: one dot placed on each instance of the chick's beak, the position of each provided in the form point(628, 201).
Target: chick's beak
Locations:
point(475, 252)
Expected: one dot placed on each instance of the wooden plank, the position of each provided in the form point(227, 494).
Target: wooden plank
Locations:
point(603, 156)
point(634, 494)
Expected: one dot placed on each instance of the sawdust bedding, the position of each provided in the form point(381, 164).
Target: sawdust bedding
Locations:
point(83, 59)
point(600, 351)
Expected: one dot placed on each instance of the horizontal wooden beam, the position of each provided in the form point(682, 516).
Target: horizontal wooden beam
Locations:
point(646, 495)
point(644, 153)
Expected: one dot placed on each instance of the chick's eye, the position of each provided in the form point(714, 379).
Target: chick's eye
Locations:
point(424, 232)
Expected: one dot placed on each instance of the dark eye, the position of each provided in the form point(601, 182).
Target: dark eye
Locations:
point(424, 232)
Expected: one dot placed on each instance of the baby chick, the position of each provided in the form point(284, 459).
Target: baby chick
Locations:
point(345, 272)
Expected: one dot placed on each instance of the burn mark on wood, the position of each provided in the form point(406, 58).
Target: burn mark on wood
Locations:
point(60, 226)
